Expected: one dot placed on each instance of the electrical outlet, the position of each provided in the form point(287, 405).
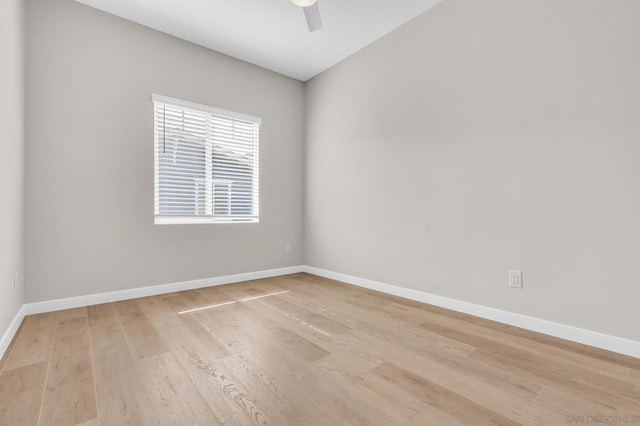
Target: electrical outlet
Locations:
point(287, 248)
point(15, 280)
point(515, 279)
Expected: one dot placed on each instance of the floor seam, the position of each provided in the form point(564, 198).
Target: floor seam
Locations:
point(46, 378)
point(126, 338)
point(536, 398)
point(93, 368)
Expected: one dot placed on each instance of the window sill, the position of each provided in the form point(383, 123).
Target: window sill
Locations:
point(206, 220)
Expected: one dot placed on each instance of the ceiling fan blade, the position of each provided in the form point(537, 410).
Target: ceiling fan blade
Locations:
point(312, 13)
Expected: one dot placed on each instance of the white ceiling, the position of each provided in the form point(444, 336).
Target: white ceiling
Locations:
point(272, 33)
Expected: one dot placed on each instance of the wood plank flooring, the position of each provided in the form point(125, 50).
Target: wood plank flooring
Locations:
point(302, 350)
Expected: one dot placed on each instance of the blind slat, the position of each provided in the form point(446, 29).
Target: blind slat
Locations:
point(206, 164)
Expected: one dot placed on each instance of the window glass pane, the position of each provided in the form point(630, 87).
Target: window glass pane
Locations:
point(206, 164)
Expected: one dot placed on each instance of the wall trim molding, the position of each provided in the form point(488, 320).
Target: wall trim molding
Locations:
point(11, 331)
point(575, 334)
point(567, 332)
point(132, 293)
point(135, 293)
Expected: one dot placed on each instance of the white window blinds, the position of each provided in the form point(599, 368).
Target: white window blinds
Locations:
point(206, 164)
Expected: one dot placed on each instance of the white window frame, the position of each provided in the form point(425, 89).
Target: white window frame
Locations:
point(210, 182)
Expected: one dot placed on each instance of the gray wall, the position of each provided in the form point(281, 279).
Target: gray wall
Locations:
point(480, 137)
point(11, 158)
point(89, 179)
point(485, 136)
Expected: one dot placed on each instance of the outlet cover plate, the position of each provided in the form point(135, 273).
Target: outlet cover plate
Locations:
point(515, 279)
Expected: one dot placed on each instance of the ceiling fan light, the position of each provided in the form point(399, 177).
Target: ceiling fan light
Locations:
point(304, 3)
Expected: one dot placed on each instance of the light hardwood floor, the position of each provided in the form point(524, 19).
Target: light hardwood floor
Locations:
point(300, 350)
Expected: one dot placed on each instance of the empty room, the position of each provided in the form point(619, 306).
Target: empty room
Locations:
point(319, 212)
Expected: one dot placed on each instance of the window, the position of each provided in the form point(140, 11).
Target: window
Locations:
point(206, 164)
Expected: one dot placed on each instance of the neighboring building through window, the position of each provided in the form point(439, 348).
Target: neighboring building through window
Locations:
point(206, 164)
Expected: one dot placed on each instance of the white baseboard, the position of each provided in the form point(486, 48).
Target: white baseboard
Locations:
point(11, 331)
point(579, 335)
point(134, 293)
point(591, 338)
